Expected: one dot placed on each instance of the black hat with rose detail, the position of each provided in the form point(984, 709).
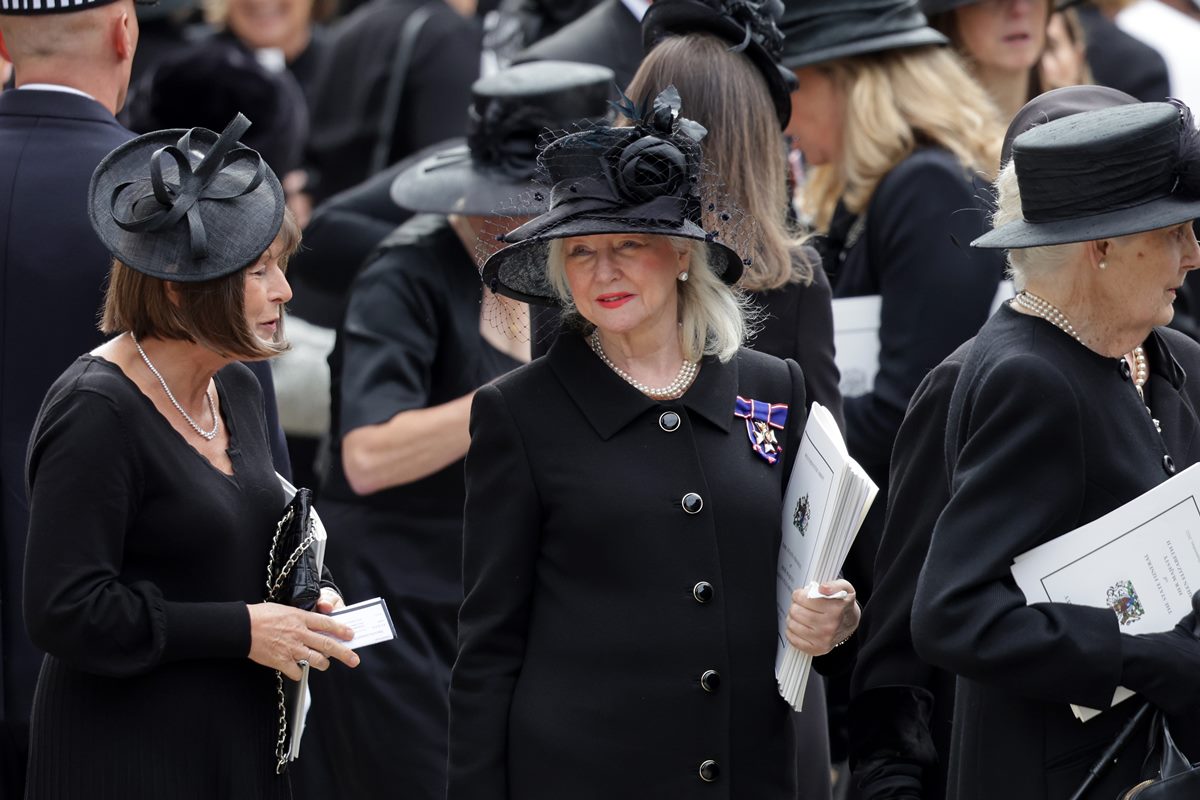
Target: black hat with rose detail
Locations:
point(510, 112)
point(749, 26)
point(642, 179)
point(186, 205)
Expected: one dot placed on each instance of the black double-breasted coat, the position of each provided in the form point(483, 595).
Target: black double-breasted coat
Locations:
point(1043, 436)
point(596, 602)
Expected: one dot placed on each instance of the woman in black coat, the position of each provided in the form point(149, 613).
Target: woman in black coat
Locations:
point(1073, 400)
point(619, 628)
point(901, 707)
point(153, 499)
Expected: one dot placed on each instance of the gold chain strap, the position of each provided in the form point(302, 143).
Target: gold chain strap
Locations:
point(273, 588)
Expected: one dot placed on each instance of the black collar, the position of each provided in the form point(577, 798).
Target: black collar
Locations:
point(1159, 354)
point(609, 403)
point(48, 103)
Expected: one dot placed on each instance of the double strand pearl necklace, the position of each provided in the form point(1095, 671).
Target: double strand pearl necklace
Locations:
point(212, 408)
point(687, 373)
point(1050, 313)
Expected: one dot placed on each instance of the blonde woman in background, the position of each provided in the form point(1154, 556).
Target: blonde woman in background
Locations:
point(1000, 40)
point(899, 141)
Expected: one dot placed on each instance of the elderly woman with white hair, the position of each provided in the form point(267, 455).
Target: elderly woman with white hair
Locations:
point(1073, 400)
point(622, 526)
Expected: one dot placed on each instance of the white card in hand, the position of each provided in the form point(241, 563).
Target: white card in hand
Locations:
point(370, 622)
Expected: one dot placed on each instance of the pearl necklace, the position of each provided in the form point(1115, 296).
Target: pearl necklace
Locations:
point(1050, 313)
point(212, 408)
point(687, 373)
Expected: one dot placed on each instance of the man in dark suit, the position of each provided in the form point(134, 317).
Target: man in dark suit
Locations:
point(72, 68)
point(609, 35)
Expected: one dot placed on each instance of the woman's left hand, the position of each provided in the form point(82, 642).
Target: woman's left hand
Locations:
point(329, 601)
point(817, 625)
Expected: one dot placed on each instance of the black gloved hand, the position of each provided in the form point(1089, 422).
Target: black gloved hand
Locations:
point(1165, 667)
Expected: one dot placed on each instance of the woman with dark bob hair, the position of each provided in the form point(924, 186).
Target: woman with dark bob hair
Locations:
point(153, 501)
point(1074, 399)
point(622, 524)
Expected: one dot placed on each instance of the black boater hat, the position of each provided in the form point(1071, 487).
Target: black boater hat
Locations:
point(817, 31)
point(186, 205)
point(750, 27)
point(510, 111)
point(639, 179)
point(1111, 172)
point(1059, 103)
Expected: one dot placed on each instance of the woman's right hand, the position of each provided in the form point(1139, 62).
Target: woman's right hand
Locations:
point(1165, 667)
point(282, 636)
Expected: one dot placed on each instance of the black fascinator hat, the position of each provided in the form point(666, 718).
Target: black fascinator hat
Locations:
point(817, 31)
point(186, 205)
point(640, 179)
point(510, 111)
point(749, 26)
point(1111, 172)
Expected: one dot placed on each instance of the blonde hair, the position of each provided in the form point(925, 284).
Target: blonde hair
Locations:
point(211, 313)
point(1026, 262)
point(714, 319)
point(726, 93)
point(896, 101)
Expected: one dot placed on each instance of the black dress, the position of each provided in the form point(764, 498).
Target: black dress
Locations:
point(410, 340)
point(142, 557)
point(616, 550)
point(1043, 436)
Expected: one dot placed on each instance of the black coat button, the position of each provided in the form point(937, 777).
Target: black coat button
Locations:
point(692, 503)
point(703, 592)
point(710, 681)
point(1169, 465)
point(1126, 373)
point(709, 771)
point(669, 421)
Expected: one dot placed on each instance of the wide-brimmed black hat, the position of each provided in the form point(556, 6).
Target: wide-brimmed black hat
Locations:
point(816, 31)
point(1059, 103)
point(186, 205)
point(497, 161)
point(643, 179)
point(750, 26)
point(1111, 172)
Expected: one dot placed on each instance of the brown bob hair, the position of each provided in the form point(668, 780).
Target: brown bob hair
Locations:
point(210, 313)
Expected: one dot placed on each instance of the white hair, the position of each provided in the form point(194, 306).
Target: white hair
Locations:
point(1027, 262)
point(714, 319)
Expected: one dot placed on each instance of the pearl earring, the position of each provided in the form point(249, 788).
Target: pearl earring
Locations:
point(683, 276)
point(1103, 264)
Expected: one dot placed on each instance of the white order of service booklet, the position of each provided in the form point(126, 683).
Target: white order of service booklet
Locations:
point(1141, 560)
point(827, 498)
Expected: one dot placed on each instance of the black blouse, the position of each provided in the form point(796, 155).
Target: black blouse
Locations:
point(141, 559)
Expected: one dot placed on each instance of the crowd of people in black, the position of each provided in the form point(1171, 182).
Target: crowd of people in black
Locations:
point(536, 296)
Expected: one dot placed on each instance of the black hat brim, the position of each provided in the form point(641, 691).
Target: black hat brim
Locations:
point(449, 182)
point(1160, 213)
point(917, 37)
point(688, 16)
point(519, 270)
point(237, 231)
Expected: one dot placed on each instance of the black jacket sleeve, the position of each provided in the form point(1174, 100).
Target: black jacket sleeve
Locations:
point(502, 540)
point(1021, 433)
point(85, 483)
point(814, 346)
